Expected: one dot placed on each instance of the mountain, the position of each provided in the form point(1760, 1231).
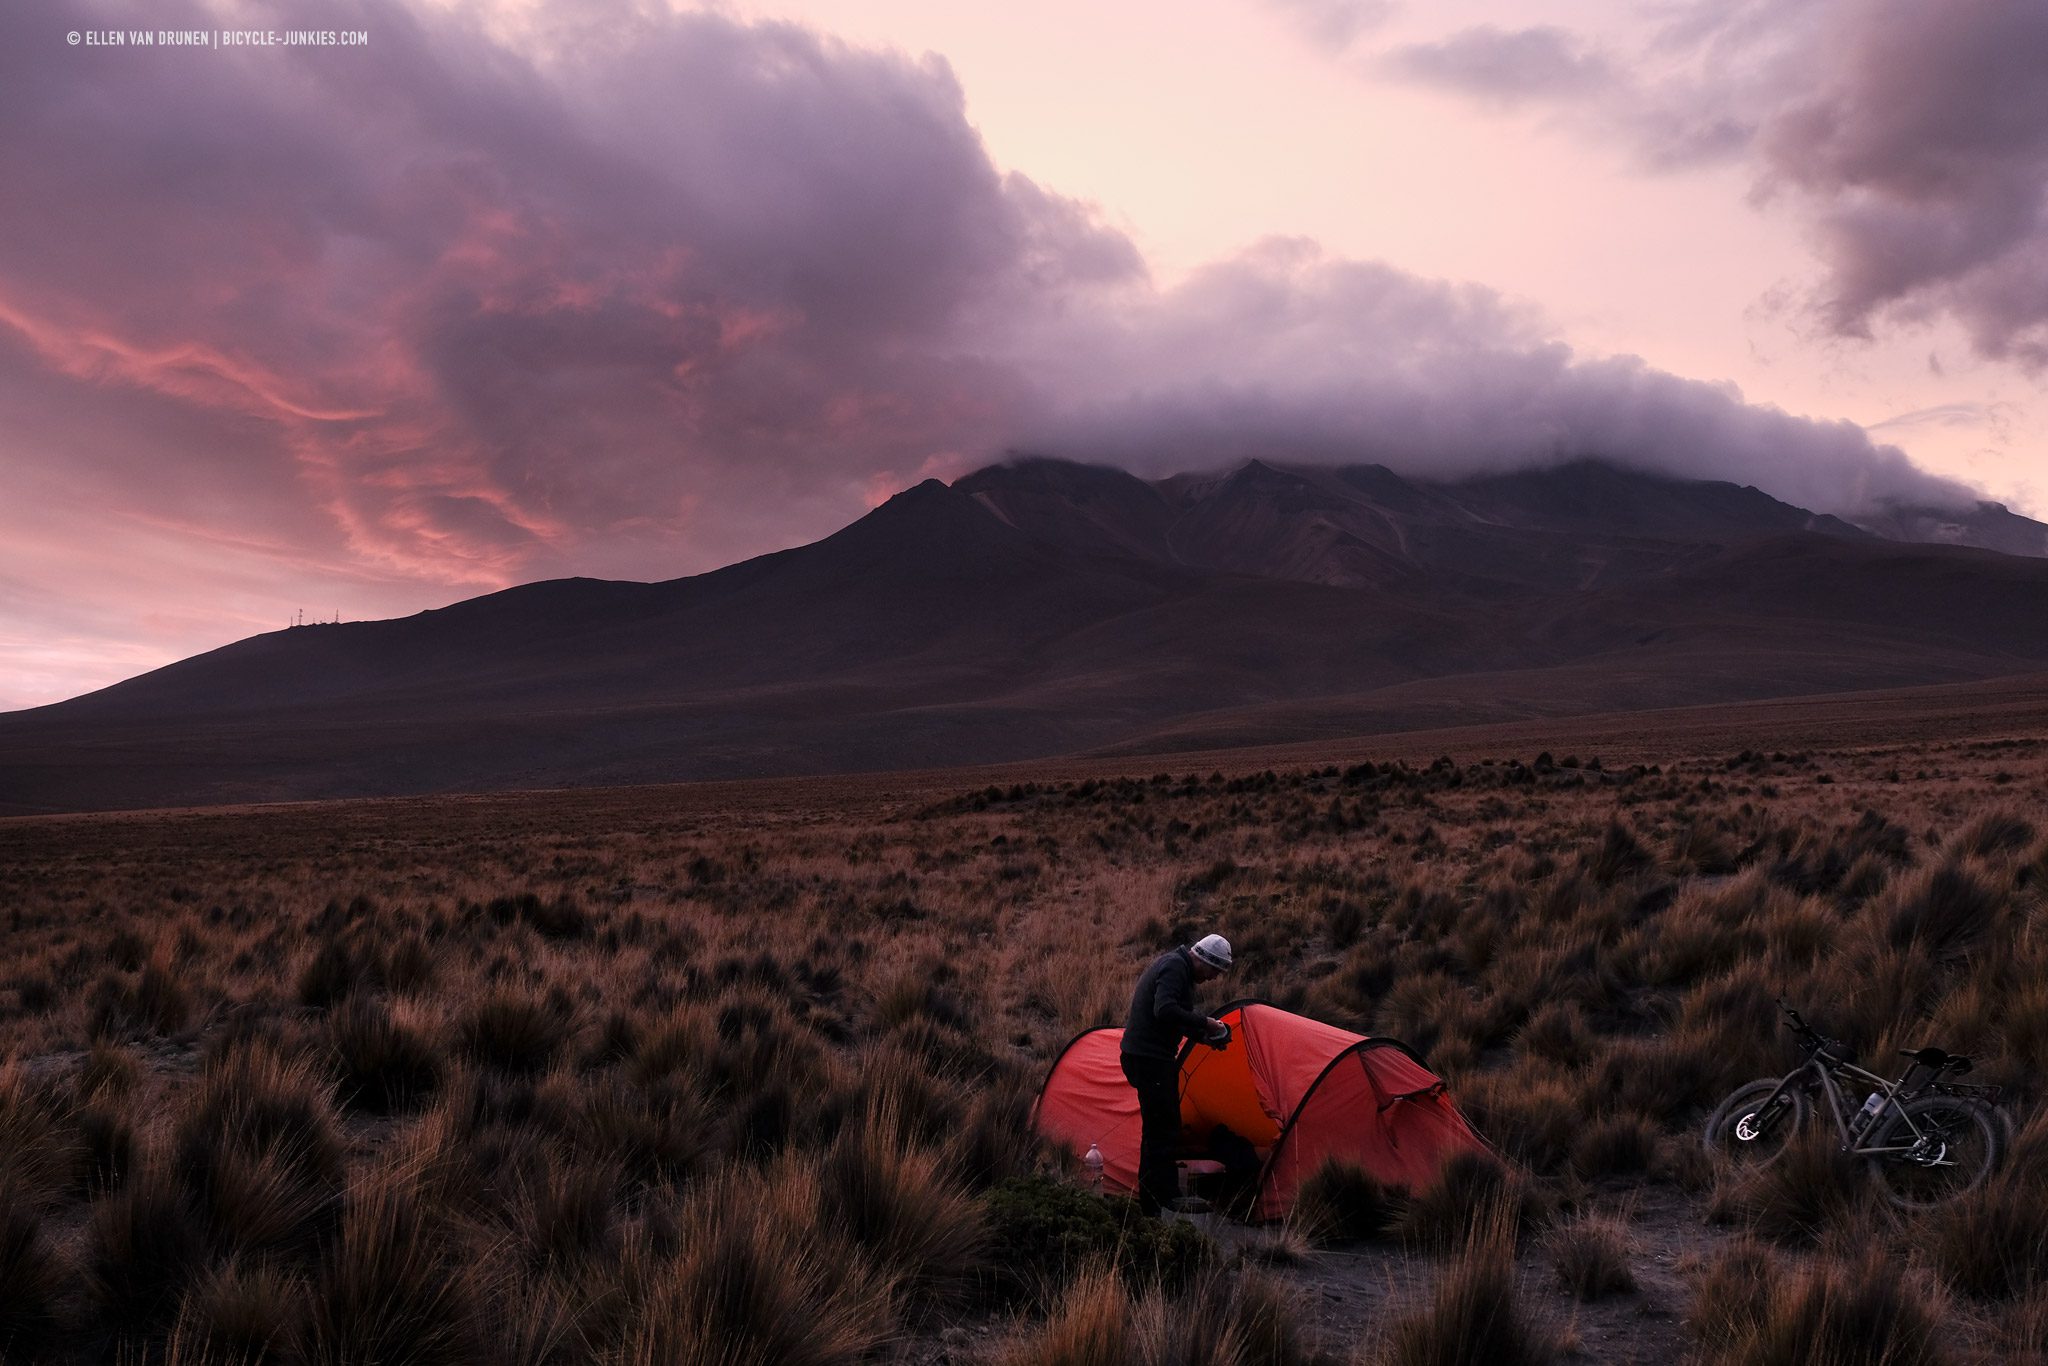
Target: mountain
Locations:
point(1042, 607)
point(1573, 526)
point(1988, 526)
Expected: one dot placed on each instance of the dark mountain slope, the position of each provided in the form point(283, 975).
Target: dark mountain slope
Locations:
point(1044, 607)
point(1569, 528)
point(1987, 526)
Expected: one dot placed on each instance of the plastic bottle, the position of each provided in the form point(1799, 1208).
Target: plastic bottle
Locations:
point(1093, 1162)
point(1869, 1111)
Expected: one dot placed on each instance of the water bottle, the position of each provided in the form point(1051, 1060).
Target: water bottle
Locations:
point(1868, 1112)
point(1093, 1162)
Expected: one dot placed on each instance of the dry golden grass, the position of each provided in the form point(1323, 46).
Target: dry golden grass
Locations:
point(593, 1077)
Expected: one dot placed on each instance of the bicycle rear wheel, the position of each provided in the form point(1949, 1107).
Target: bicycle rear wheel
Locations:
point(1751, 1128)
point(1947, 1145)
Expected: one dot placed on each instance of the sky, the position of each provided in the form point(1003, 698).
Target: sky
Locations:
point(627, 289)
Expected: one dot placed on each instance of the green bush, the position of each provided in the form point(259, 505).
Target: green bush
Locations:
point(1050, 1230)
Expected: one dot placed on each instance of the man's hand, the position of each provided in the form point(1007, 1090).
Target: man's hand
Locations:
point(1215, 1032)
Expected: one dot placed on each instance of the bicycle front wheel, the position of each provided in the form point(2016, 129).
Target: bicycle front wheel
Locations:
point(1939, 1147)
point(1755, 1123)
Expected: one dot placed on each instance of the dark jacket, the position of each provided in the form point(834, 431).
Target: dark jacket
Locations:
point(1163, 1008)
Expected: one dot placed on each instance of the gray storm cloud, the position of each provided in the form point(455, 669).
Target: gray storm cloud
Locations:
point(658, 292)
point(1912, 137)
point(1287, 353)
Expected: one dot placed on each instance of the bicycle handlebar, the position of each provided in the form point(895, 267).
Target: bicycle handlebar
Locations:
point(1815, 1041)
point(1939, 1061)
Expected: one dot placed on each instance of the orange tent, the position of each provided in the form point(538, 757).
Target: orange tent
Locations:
point(1299, 1091)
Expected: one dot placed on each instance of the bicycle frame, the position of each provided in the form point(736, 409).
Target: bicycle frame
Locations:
point(1821, 1076)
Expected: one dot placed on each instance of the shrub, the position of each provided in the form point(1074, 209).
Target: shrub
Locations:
point(662, 1131)
point(1991, 833)
point(756, 1283)
point(263, 1199)
point(1531, 1112)
point(239, 1314)
point(1470, 1187)
point(384, 1066)
point(1050, 1230)
point(154, 1003)
point(142, 1248)
point(1613, 1146)
point(1867, 1311)
point(568, 1212)
point(109, 1070)
point(1556, 1032)
point(1730, 1292)
point(1474, 1313)
point(1223, 1319)
point(513, 1031)
point(1993, 1242)
point(36, 1154)
point(259, 1148)
point(33, 1279)
point(1940, 911)
point(1810, 1188)
point(1342, 1202)
point(1090, 1325)
point(897, 1201)
point(1231, 1319)
point(330, 976)
point(560, 918)
point(1620, 855)
point(996, 1139)
point(1591, 1256)
point(389, 1289)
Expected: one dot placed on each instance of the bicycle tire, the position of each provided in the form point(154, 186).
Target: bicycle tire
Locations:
point(1955, 1143)
point(1759, 1142)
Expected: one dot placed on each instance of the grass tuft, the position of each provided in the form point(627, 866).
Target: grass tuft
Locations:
point(513, 1031)
point(33, 1278)
point(1828, 1313)
point(754, 1283)
point(384, 1066)
point(143, 1246)
point(1592, 1255)
point(1341, 1202)
point(1440, 1217)
point(389, 1289)
point(1474, 1313)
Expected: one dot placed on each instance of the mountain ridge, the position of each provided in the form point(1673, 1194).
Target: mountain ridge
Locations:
point(1039, 607)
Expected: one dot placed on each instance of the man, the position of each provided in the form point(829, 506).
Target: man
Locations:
point(1162, 1016)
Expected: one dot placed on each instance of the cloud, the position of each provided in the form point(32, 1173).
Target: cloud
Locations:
point(1912, 138)
point(1290, 354)
point(1334, 26)
point(1508, 66)
point(1967, 415)
point(492, 303)
point(1922, 154)
point(634, 293)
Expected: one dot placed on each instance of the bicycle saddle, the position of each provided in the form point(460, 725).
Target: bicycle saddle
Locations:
point(1937, 1059)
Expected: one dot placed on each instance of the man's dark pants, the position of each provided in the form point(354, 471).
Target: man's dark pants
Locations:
point(1157, 1081)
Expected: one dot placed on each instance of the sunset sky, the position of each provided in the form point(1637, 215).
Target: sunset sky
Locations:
point(523, 290)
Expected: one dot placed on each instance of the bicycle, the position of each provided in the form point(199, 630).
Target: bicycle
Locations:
point(1925, 1138)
